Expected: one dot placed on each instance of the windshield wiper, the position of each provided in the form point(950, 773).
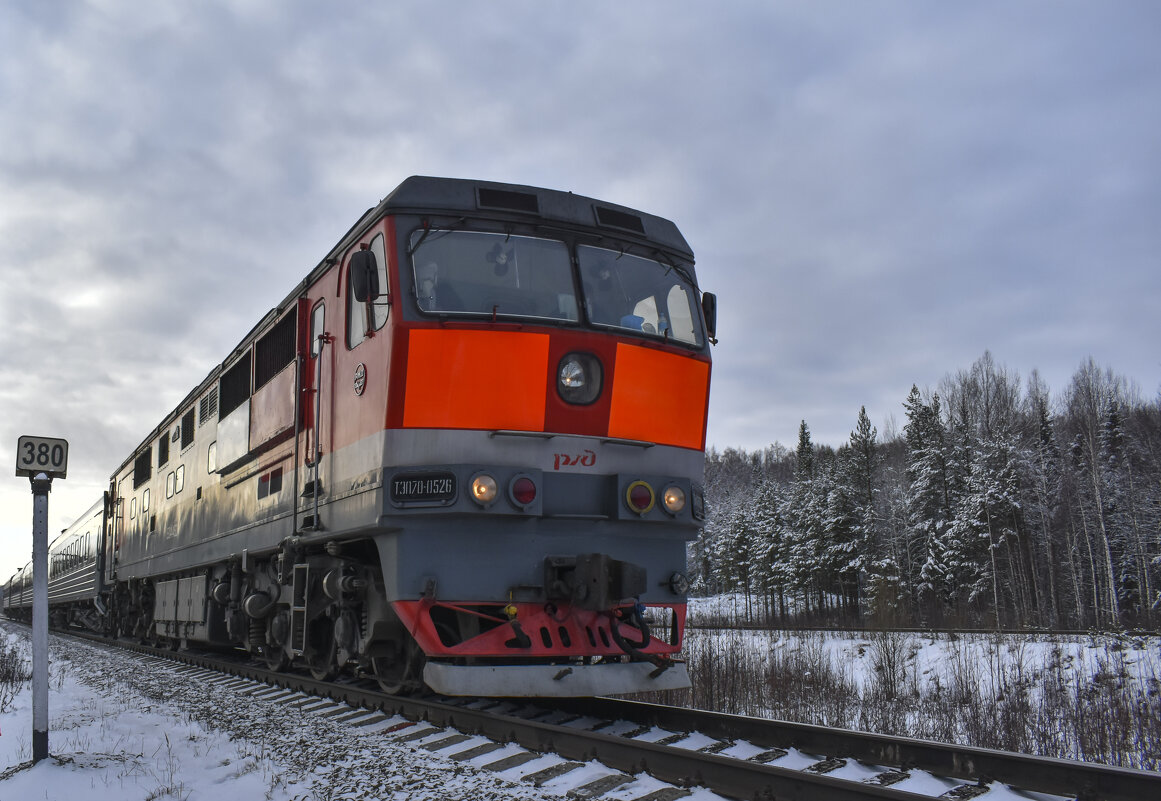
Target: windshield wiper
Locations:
point(428, 228)
point(672, 265)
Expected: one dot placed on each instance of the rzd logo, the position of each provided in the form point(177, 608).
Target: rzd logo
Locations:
point(585, 458)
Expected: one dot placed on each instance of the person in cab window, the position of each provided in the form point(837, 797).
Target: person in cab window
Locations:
point(432, 293)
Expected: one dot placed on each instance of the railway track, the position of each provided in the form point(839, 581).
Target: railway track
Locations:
point(722, 624)
point(732, 756)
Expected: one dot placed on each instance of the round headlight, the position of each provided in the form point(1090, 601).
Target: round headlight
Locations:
point(572, 375)
point(673, 499)
point(483, 489)
point(578, 378)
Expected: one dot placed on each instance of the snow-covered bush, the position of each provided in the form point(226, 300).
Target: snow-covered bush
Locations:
point(14, 671)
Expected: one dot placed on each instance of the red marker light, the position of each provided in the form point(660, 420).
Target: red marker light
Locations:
point(523, 490)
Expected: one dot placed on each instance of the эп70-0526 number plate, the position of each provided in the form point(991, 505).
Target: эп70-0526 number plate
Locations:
point(42, 455)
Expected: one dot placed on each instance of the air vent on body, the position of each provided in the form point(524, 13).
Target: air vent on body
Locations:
point(507, 199)
point(611, 218)
point(208, 407)
point(234, 387)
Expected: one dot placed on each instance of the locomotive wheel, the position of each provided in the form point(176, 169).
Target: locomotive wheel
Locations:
point(145, 632)
point(270, 643)
point(275, 658)
point(322, 652)
point(400, 673)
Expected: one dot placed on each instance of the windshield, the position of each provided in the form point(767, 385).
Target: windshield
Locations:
point(474, 273)
point(468, 272)
point(626, 291)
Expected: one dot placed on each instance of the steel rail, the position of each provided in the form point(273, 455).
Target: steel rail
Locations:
point(734, 778)
point(711, 623)
point(1084, 780)
point(731, 777)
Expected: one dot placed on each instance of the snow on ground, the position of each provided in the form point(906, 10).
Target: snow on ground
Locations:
point(990, 659)
point(1085, 696)
point(943, 656)
point(121, 729)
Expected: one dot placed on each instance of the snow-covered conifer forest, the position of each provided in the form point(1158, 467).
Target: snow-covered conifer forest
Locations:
point(997, 504)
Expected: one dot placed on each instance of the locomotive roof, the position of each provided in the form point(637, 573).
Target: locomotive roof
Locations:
point(421, 194)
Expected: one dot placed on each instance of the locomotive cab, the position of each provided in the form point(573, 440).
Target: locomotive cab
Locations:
point(554, 388)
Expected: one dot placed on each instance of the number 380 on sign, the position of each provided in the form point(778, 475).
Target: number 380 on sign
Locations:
point(42, 455)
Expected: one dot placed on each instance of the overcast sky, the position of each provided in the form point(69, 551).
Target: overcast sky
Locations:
point(877, 191)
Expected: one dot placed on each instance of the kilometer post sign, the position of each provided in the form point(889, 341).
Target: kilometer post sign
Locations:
point(46, 455)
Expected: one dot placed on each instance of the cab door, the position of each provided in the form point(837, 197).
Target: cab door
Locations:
point(318, 385)
point(116, 526)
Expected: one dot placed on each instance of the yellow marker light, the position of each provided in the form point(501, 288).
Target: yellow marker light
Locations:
point(639, 497)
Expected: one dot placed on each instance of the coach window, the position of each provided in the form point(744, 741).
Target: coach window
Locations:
point(169, 486)
point(365, 318)
point(317, 328)
point(145, 501)
point(133, 509)
point(212, 457)
point(179, 479)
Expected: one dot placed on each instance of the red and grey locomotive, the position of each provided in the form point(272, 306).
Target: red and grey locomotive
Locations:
point(465, 452)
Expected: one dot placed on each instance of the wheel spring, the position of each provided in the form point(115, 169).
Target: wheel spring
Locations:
point(257, 633)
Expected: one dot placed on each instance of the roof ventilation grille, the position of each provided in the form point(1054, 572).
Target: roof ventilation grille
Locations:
point(611, 218)
point(507, 199)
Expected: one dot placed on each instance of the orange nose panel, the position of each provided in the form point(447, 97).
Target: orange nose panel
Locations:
point(476, 379)
point(659, 397)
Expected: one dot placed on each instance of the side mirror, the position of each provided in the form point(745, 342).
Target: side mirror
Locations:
point(709, 305)
point(363, 273)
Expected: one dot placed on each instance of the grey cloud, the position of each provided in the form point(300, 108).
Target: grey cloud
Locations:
point(877, 192)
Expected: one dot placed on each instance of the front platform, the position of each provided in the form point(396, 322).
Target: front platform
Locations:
point(553, 681)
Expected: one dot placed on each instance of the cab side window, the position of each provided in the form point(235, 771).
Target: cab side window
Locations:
point(317, 328)
point(381, 306)
point(356, 318)
point(364, 318)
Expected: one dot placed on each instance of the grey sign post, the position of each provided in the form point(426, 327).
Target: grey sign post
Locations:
point(41, 459)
